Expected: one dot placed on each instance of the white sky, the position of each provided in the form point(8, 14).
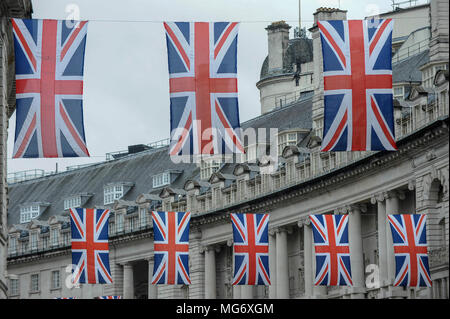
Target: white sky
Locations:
point(126, 84)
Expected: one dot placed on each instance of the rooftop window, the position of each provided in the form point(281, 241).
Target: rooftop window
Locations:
point(111, 193)
point(28, 212)
point(161, 179)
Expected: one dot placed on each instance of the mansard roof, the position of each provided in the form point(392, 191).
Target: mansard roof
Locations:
point(407, 70)
point(138, 169)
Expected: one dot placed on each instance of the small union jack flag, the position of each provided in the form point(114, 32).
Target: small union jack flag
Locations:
point(251, 249)
point(410, 250)
point(204, 114)
point(65, 297)
point(90, 250)
point(171, 248)
point(49, 88)
point(110, 297)
point(330, 234)
point(357, 75)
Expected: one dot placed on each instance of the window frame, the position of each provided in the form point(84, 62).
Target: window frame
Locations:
point(112, 192)
point(32, 288)
point(14, 290)
point(58, 281)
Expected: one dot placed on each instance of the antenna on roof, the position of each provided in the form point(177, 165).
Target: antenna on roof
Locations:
point(299, 15)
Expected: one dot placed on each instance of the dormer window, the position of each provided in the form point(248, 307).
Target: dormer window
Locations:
point(208, 167)
point(111, 193)
point(161, 179)
point(72, 202)
point(285, 139)
point(27, 213)
point(12, 248)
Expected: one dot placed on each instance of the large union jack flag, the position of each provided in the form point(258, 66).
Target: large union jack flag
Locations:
point(49, 88)
point(330, 234)
point(410, 250)
point(90, 250)
point(171, 248)
point(110, 297)
point(251, 249)
point(357, 74)
point(204, 114)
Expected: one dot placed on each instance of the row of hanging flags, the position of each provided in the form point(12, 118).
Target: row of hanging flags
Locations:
point(90, 251)
point(204, 113)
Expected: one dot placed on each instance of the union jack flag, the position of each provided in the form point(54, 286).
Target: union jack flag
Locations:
point(90, 250)
point(204, 114)
point(65, 297)
point(251, 249)
point(330, 234)
point(49, 88)
point(357, 74)
point(171, 248)
point(410, 250)
point(110, 297)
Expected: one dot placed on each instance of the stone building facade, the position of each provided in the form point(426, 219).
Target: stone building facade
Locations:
point(366, 185)
point(8, 9)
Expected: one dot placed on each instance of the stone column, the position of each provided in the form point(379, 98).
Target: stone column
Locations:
point(307, 256)
point(210, 272)
point(272, 265)
point(392, 207)
point(128, 281)
point(152, 289)
point(282, 285)
point(246, 292)
point(382, 237)
point(356, 250)
point(236, 292)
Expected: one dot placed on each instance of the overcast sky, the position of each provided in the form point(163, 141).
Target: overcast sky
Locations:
point(126, 84)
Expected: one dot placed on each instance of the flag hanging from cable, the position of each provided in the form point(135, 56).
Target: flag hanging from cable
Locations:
point(410, 250)
point(110, 297)
point(251, 249)
point(204, 113)
point(49, 59)
point(90, 249)
point(357, 75)
point(332, 250)
point(171, 248)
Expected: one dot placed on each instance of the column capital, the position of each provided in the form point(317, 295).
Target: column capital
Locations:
point(211, 247)
point(126, 264)
point(412, 184)
point(280, 229)
point(360, 206)
point(395, 194)
point(230, 242)
point(150, 259)
point(380, 197)
point(304, 221)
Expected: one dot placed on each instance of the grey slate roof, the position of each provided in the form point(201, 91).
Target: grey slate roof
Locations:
point(138, 169)
point(408, 70)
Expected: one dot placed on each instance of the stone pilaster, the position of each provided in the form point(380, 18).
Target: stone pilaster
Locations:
point(282, 272)
point(308, 256)
point(152, 289)
point(356, 250)
point(128, 281)
point(272, 265)
point(210, 272)
point(382, 235)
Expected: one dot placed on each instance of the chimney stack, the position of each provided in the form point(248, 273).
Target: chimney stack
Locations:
point(278, 37)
